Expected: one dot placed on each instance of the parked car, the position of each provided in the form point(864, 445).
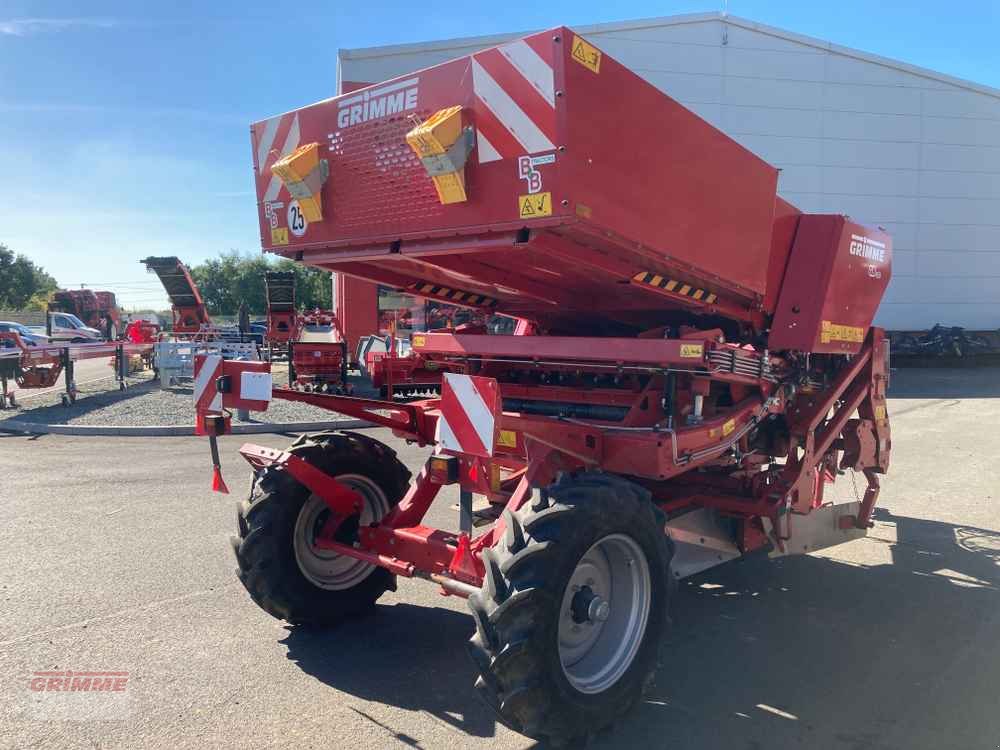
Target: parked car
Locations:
point(28, 336)
point(68, 327)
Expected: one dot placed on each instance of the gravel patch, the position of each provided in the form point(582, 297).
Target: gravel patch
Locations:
point(144, 403)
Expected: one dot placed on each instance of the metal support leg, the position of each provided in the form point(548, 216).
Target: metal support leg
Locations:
point(291, 367)
point(121, 366)
point(70, 396)
point(465, 511)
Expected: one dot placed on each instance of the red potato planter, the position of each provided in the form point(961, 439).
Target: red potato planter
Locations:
point(699, 362)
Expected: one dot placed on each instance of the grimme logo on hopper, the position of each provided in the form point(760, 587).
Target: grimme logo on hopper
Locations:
point(370, 105)
point(866, 247)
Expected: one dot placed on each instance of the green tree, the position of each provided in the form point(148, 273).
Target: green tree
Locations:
point(21, 279)
point(233, 278)
point(39, 301)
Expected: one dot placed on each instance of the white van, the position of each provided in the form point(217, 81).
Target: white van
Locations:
point(68, 327)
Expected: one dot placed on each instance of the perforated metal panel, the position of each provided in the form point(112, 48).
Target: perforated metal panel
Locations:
point(375, 178)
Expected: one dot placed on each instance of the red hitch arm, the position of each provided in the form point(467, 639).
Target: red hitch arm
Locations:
point(406, 419)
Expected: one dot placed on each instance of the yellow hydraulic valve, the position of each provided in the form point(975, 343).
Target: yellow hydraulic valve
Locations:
point(304, 173)
point(443, 146)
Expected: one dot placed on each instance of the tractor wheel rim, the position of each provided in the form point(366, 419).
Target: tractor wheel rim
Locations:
point(604, 612)
point(325, 568)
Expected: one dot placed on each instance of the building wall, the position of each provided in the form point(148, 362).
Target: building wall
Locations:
point(888, 144)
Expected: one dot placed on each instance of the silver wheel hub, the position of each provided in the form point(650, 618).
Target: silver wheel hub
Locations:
point(325, 568)
point(604, 612)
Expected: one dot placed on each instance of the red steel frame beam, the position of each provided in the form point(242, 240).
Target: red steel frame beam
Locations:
point(617, 352)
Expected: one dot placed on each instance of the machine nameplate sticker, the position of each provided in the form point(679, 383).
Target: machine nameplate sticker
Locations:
point(526, 170)
point(586, 54)
point(834, 332)
point(532, 206)
point(692, 351)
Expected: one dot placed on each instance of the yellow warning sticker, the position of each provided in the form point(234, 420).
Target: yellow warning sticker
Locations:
point(507, 439)
point(418, 340)
point(728, 427)
point(279, 236)
point(692, 351)
point(586, 54)
point(834, 332)
point(880, 412)
point(533, 206)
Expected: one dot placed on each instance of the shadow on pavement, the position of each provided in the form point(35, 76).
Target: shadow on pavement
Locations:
point(978, 382)
point(800, 652)
point(403, 655)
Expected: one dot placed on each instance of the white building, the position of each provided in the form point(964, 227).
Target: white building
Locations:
point(888, 143)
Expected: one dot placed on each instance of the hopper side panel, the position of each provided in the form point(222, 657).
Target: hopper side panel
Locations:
point(643, 167)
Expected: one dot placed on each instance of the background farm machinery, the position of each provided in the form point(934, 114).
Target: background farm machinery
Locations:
point(317, 355)
point(696, 362)
point(279, 289)
point(190, 315)
point(32, 367)
point(96, 309)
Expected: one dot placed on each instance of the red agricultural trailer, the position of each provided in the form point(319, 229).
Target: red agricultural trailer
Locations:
point(317, 357)
point(701, 361)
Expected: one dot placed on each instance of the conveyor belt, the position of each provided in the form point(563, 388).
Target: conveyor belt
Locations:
point(280, 287)
point(176, 280)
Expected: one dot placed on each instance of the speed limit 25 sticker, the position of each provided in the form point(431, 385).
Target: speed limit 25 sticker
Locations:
point(297, 223)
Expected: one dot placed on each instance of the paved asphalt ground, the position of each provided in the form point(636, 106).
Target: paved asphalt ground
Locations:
point(115, 557)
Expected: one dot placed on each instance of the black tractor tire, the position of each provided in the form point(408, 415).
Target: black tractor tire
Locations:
point(516, 647)
point(267, 563)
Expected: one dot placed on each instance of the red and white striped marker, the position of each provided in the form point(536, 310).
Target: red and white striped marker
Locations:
point(207, 399)
point(207, 369)
point(515, 99)
point(470, 407)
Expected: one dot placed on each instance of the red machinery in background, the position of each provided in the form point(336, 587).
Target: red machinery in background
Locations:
point(411, 374)
point(281, 316)
point(94, 308)
point(189, 311)
point(40, 366)
point(408, 376)
point(699, 362)
point(317, 357)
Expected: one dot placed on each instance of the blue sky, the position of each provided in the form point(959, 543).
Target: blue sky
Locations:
point(124, 125)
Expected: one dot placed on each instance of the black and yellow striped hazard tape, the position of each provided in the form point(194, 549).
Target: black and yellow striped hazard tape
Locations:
point(672, 285)
point(453, 295)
